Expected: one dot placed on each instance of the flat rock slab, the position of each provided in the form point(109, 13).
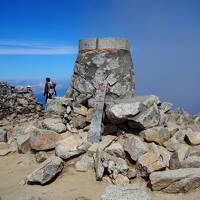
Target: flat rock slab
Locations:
point(126, 192)
point(105, 142)
point(54, 124)
point(72, 146)
point(46, 171)
point(175, 181)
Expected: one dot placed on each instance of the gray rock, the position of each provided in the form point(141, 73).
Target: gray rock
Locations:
point(172, 144)
point(105, 142)
point(83, 86)
point(57, 105)
point(23, 138)
point(175, 181)
point(46, 171)
point(54, 124)
point(41, 156)
point(98, 165)
point(191, 162)
point(111, 79)
point(132, 173)
point(116, 149)
point(119, 113)
point(72, 146)
point(135, 147)
point(112, 164)
point(147, 119)
point(3, 136)
point(85, 163)
point(166, 106)
point(174, 162)
point(79, 121)
point(126, 192)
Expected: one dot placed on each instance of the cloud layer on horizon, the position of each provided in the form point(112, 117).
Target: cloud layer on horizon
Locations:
point(13, 47)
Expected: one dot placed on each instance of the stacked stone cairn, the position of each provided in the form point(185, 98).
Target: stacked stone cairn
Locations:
point(142, 138)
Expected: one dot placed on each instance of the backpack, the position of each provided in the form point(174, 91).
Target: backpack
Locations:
point(52, 85)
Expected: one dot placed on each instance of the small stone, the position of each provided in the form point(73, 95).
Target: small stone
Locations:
point(174, 162)
point(41, 156)
point(85, 163)
point(132, 173)
point(82, 198)
point(69, 109)
point(46, 171)
point(135, 147)
point(116, 149)
point(192, 137)
point(158, 135)
point(166, 106)
point(3, 136)
point(120, 179)
point(79, 121)
point(172, 144)
point(80, 110)
point(191, 162)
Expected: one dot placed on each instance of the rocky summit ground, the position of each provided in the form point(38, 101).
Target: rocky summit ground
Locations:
point(69, 185)
point(147, 151)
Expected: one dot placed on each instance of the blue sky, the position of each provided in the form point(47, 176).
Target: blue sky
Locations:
point(39, 38)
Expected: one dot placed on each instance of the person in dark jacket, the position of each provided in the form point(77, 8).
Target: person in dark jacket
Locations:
point(49, 89)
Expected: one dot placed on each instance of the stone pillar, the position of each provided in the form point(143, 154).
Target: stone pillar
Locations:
point(102, 59)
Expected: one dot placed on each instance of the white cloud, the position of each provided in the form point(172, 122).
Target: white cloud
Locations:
point(11, 47)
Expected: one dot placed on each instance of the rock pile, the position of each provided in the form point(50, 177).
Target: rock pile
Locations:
point(142, 138)
point(17, 104)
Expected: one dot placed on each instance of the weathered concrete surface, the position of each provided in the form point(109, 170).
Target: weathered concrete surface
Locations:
point(103, 43)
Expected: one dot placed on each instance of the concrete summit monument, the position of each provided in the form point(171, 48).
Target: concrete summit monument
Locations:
point(103, 72)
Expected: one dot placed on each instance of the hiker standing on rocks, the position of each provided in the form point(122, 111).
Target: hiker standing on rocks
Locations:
point(49, 89)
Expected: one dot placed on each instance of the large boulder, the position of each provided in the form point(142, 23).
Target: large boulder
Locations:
point(126, 192)
point(46, 171)
point(135, 110)
point(54, 124)
point(72, 146)
point(43, 139)
point(174, 181)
